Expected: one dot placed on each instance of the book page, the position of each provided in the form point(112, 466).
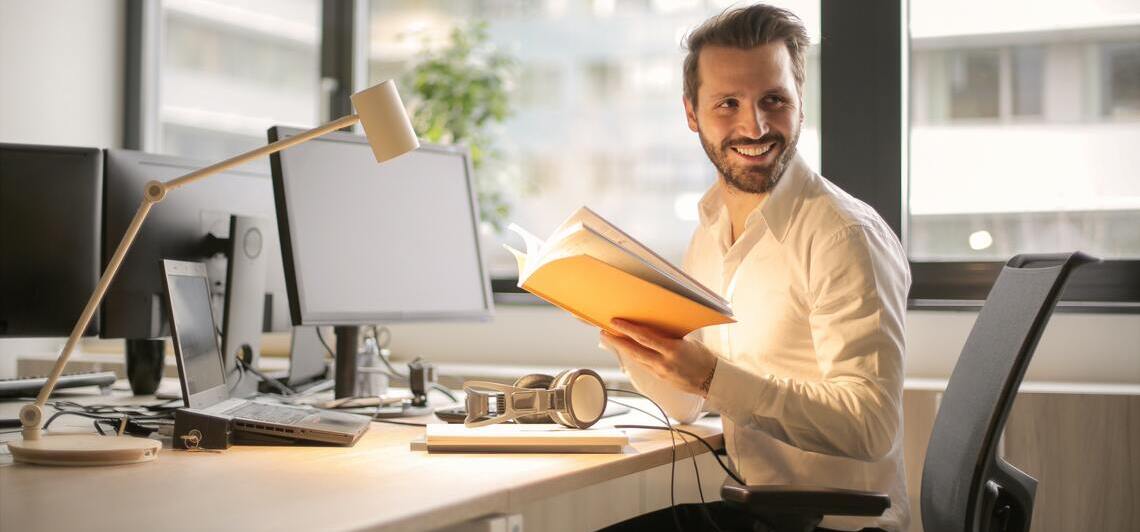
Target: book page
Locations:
point(585, 215)
point(585, 240)
point(534, 247)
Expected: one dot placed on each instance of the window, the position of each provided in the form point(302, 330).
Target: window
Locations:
point(1028, 65)
point(1009, 150)
point(1121, 80)
point(597, 117)
point(227, 71)
point(975, 83)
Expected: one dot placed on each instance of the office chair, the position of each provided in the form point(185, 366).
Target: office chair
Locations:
point(965, 485)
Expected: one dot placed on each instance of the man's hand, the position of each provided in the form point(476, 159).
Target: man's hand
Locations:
point(686, 364)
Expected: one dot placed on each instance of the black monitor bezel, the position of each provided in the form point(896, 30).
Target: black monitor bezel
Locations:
point(288, 256)
point(91, 270)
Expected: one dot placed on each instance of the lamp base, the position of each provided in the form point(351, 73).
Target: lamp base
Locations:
point(84, 450)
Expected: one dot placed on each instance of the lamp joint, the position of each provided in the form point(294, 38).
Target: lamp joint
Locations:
point(31, 416)
point(155, 191)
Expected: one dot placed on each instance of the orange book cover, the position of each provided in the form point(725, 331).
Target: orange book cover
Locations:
point(584, 270)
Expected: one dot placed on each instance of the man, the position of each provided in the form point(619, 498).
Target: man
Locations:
point(808, 381)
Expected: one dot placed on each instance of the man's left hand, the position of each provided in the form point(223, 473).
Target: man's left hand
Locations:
point(686, 364)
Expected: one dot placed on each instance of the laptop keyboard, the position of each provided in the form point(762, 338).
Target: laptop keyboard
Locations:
point(269, 413)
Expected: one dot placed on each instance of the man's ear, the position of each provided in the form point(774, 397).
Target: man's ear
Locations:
point(690, 114)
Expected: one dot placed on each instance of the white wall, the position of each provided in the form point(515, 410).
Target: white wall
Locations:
point(61, 82)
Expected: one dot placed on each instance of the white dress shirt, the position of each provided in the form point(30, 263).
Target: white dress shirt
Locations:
point(809, 378)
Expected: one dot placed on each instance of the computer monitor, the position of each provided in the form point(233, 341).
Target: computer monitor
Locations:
point(365, 243)
point(193, 224)
point(50, 205)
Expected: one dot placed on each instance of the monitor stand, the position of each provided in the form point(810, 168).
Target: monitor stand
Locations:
point(347, 345)
point(420, 376)
point(244, 310)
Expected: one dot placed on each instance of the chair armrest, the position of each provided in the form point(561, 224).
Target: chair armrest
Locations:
point(804, 500)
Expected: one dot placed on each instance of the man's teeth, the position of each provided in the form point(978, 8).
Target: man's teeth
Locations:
point(754, 151)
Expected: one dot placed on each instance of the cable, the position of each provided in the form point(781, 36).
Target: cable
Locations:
point(321, 337)
point(161, 409)
point(285, 390)
point(672, 462)
point(123, 421)
point(692, 455)
point(240, 375)
point(703, 441)
point(443, 389)
point(377, 332)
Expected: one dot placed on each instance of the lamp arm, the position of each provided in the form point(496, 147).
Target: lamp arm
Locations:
point(31, 416)
point(268, 149)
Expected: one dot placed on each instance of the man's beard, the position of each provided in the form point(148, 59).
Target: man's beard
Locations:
point(755, 179)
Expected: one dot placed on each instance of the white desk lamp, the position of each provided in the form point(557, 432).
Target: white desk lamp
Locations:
point(390, 133)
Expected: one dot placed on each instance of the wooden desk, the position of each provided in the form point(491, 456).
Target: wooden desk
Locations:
point(376, 484)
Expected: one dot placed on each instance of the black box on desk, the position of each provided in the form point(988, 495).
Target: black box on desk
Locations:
point(195, 429)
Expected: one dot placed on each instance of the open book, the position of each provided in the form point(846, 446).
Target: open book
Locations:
point(597, 272)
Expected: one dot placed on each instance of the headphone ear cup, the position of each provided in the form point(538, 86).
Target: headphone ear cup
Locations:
point(586, 398)
point(536, 381)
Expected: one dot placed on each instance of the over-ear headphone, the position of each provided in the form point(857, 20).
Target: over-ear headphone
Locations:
point(574, 398)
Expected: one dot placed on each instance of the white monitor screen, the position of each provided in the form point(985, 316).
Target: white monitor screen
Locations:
point(366, 242)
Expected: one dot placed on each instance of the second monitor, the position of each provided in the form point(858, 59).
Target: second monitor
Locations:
point(364, 243)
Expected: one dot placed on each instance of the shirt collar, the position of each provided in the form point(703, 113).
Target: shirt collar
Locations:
point(781, 206)
point(710, 205)
point(777, 210)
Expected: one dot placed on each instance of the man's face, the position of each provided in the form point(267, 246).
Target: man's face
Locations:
point(748, 113)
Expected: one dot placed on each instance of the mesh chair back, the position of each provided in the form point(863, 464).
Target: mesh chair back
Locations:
point(965, 486)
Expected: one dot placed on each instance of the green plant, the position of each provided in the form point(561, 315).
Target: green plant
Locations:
point(459, 92)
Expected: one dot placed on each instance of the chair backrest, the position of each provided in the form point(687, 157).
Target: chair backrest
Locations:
point(965, 486)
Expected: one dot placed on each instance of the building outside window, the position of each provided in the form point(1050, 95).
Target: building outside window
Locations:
point(1024, 128)
point(228, 70)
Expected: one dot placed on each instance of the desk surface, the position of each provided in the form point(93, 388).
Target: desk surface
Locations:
point(377, 483)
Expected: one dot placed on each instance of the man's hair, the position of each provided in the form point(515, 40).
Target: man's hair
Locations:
point(746, 28)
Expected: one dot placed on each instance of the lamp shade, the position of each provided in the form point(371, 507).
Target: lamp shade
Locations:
point(385, 121)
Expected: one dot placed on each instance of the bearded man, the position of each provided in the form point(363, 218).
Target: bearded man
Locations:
point(808, 381)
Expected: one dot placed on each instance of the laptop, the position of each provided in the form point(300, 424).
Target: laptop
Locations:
point(205, 384)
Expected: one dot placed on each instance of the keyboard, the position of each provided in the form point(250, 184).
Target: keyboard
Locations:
point(30, 386)
point(284, 415)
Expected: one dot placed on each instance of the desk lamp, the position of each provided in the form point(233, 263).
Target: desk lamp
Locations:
point(390, 135)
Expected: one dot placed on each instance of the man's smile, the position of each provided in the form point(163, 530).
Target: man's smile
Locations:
point(754, 153)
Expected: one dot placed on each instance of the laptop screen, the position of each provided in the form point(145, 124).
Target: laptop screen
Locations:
point(201, 358)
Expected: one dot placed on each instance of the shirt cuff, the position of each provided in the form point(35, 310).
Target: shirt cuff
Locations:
point(738, 393)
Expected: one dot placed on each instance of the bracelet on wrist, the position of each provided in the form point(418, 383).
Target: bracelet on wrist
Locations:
point(708, 380)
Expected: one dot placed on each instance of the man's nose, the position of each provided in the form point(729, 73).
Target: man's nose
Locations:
point(753, 124)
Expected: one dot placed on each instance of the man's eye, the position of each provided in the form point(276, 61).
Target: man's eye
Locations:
point(728, 104)
point(773, 101)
